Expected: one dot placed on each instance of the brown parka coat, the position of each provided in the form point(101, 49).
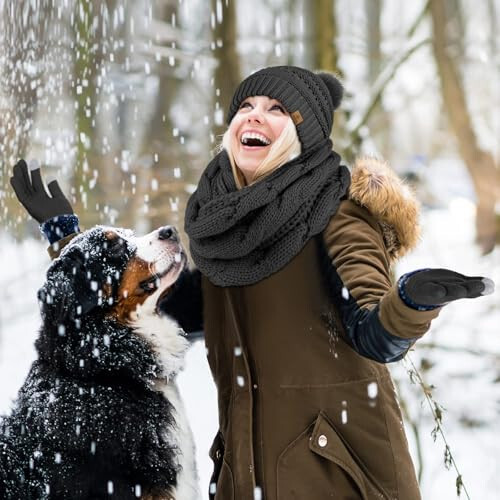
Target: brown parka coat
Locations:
point(301, 414)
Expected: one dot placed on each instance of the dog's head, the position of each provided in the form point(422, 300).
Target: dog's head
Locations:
point(99, 304)
point(111, 271)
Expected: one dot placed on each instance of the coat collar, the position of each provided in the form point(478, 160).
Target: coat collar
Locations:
point(390, 200)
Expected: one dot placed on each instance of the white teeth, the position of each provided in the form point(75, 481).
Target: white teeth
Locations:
point(254, 135)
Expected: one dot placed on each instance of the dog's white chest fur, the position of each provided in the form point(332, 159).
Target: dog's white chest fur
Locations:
point(187, 479)
point(162, 333)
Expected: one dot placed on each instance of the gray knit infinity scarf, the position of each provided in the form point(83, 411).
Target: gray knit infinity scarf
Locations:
point(238, 237)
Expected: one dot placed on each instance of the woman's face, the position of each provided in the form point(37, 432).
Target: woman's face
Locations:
point(253, 129)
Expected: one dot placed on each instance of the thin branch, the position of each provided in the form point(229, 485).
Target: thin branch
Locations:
point(418, 19)
point(416, 432)
point(466, 350)
point(437, 413)
point(381, 87)
point(384, 80)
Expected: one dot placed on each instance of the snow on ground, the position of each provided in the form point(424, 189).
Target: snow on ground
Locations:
point(466, 383)
point(465, 366)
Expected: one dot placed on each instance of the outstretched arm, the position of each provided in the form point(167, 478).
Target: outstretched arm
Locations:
point(382, 320)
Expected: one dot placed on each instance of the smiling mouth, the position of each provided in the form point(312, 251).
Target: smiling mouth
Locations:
point(254, 140)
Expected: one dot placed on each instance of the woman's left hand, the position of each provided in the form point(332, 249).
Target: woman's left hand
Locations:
point(32, 195)
point(440, 286)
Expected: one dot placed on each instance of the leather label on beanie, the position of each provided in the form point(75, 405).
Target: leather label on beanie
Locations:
point(297, 117)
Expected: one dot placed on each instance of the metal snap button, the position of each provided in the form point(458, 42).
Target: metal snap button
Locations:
point(217, 454)
point(322, 440)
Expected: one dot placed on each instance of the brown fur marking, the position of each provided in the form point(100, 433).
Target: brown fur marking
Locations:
point(129, 293)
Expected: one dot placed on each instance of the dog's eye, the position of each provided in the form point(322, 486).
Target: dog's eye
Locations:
point(117, 247)
point(149, 285)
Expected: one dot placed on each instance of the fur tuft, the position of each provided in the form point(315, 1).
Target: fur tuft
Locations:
point(334, 87)
point(376, 186)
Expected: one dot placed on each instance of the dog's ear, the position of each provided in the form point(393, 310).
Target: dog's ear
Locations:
point(69, 290)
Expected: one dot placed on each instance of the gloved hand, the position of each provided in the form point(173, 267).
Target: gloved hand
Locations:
point(34, 198)
point(440, 286)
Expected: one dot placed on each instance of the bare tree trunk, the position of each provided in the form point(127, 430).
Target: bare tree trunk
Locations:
point(492, 12)
point(325, 53)
point(325, 29)
point(88, 57)
point(373, 11)
point(455, 30)
point(480, 163)
point(227, 73)
point(25, 35)
point(380, 121)
point(161, 152)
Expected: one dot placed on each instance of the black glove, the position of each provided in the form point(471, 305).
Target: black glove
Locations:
point(34, 198)
point(440, 286)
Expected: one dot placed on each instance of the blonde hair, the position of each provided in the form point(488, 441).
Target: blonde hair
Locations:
point(284, 149)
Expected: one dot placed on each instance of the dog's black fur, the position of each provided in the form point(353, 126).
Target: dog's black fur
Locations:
point(87, 421)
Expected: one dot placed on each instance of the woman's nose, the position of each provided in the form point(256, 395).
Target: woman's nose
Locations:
point(255, 115)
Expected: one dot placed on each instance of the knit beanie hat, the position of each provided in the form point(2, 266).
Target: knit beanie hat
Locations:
point(310, 98)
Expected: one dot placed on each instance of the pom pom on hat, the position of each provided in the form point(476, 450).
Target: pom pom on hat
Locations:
point(334, 87)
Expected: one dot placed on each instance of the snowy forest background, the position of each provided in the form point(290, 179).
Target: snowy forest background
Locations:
point(124, 101)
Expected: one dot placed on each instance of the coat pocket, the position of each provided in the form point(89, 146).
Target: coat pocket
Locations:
point(221, 483)
point(317, 464)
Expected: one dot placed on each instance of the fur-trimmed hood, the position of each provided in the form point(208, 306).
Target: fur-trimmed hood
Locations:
point(376, 186)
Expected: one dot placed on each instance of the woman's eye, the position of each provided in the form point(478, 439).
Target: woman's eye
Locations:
point(245, 105)
point(278, 107)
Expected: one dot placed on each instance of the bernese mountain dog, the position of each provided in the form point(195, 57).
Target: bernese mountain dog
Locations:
point(99, 415)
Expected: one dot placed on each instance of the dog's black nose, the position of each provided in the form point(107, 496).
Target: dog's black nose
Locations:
point(168, 233)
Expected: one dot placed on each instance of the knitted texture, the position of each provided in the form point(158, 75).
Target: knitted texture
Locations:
point(59, 226)
point(315, 96)
point(238, 237)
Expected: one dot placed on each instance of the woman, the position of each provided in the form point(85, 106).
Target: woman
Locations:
point(293, 264)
